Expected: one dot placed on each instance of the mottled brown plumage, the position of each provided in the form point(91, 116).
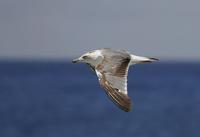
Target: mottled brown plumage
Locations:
point(120, 99)
point(118, 69)
point(111, 67)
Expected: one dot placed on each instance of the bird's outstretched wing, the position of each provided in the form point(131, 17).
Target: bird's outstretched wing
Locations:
point(112, 73)
point(91, 67)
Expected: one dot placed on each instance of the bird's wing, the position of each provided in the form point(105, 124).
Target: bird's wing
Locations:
point(112, 73)
point(91, 67)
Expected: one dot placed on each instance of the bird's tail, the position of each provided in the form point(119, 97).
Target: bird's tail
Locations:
point(140, 60)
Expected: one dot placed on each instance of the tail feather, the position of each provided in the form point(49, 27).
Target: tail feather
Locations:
point(149, 60)
point(140, 60)
point(153, 59)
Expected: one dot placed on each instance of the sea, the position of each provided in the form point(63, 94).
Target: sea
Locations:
point(61, 99)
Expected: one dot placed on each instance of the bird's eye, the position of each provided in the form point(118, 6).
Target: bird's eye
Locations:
point(84, 57)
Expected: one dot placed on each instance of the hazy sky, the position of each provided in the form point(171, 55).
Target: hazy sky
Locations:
point(33, 29)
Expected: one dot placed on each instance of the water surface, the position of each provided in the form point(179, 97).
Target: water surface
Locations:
point(60, 99)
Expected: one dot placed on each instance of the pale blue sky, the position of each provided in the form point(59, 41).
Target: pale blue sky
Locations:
point(59, 29)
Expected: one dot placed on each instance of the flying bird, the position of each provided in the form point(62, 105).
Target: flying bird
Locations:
point(111, 67)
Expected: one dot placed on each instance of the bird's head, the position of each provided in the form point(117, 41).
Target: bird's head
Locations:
point(91, 57)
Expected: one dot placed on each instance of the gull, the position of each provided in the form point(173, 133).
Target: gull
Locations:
point(111, 67)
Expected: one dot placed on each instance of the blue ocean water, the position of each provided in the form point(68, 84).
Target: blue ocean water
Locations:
point(60, 99)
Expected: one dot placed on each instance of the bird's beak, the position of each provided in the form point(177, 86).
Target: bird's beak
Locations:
point(77, 60)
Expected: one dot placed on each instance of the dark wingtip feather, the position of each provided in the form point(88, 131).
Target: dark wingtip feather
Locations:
point(121, 100)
